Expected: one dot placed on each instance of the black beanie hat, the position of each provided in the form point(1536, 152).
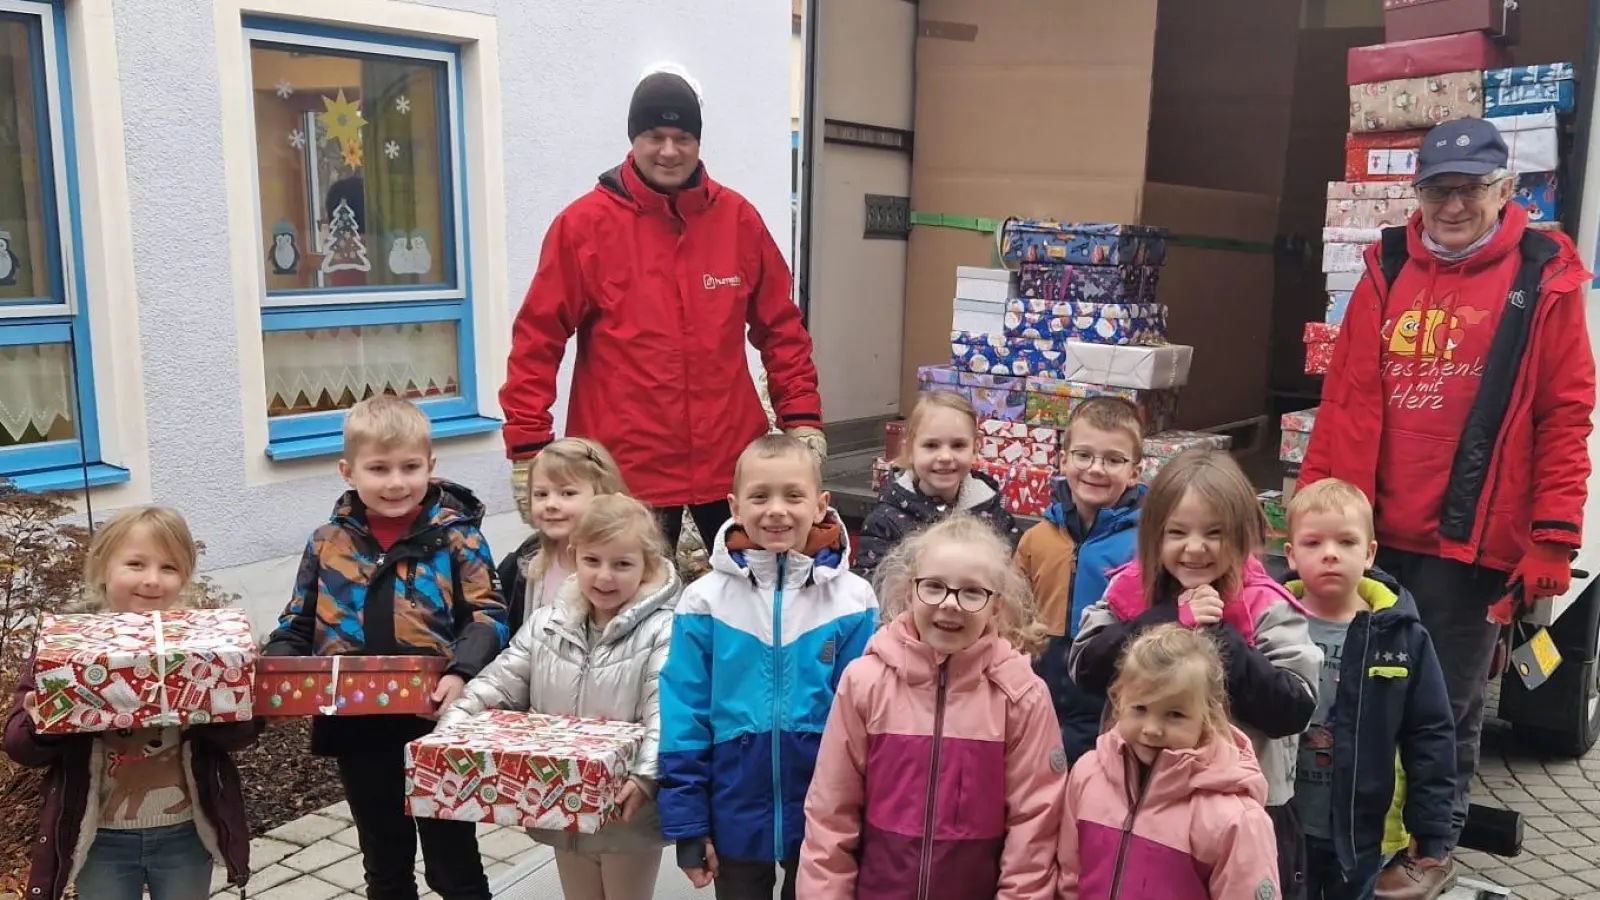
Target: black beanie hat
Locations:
point(663, 100)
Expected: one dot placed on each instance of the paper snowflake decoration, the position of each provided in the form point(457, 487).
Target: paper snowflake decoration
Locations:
point(391, 150)
point(285, 89)
point(402, 104)
point(297, 139)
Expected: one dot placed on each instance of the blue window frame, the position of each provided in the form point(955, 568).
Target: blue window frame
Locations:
point(365, 284)
point(49, 436)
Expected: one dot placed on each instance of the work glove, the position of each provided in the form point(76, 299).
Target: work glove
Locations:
point(814, 440)
point(520, 469)
point(1545, 571)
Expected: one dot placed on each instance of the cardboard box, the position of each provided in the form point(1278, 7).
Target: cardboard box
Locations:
point(1407, 20)
point(107, 671)
point(1425, 56)
point(1014, 443)
point(1082, 243)
point(1088, 284)
point(1295, 435)
point(291, 686)
point(522, 769)
point(1540, 194)
point(1416, 103)
point(1157, 367)
point(1533, 141)
point(1381, 155)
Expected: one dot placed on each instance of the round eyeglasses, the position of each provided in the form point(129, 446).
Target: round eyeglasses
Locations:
point(934, 592)
point(1471, 192)
point(1083, 459)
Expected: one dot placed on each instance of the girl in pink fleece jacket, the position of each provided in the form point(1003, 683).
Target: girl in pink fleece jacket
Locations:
point(1169, 804)
point(941, 770)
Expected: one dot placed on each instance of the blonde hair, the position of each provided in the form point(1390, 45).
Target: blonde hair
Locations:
point(777, 446)
point(926, 404)
point(1015, 618)
point(1112, 414)
point(615, 517)
point(570, 460)
point(1332, 495)
point(385, 421)
point(1220, 484)
point(163, 525)
point(1171, 661)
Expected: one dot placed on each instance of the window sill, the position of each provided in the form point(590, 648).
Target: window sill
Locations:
point(70, 478)
point(333, 444)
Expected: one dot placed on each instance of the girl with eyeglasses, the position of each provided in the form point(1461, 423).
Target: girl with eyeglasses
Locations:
point(941, 770)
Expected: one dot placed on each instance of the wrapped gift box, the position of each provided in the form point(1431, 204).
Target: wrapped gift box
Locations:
point(1529, 89)
point(1352, 235)
point(1015, 443)
point(1160, 449)
point(987, 358)
point(1409, 103)
point(1050, 402)
point(981, 295)
point(1319, 332)
point(1381, 155)
point(1024, 489)
point(522, 769)
point(1082, 243)
point(881, 473)
point(1111, 324)
point(1369, 204)
point(1342, 281)
point(1407, 20)
point(1338, 304)
point(1540, 194)
point(1533, 141)
point(992, 395)
point(1319, 357)
point(1343, 257)
point(1355, 190)
point(1424, 56)
point(894, 434)
point(105, 671)
point(1089, 284)
point(347, 685)
point(1275, 509)
point(1295, 435)
point(1156, 367)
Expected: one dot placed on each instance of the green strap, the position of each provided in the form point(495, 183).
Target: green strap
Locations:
point(992, 226)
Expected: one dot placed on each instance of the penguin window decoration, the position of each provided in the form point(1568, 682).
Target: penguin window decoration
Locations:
point(9, 264)
point(285, 253)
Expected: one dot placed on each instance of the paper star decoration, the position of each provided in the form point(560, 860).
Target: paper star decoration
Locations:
point(352, 154)
point(285, 89)
point(297, 139)
point(402, 104)
point(391, 150)
point(343, 120)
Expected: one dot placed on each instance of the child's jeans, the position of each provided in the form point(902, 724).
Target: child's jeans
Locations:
point(171, 860)
point(607, 876)
point(749, 879)
point(1325, 881)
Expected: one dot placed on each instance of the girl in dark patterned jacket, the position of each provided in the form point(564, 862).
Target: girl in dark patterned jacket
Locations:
point(933, 479)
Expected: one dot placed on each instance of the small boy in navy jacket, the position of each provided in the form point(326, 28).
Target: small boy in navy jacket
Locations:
point(1382, 696)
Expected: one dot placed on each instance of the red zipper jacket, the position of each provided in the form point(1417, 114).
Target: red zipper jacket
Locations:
point(1519, 470)
point(660, 291)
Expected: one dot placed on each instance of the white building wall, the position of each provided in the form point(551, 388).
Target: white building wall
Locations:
point(565, 72)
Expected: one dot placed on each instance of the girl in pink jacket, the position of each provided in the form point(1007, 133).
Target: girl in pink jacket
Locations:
point(941, 769)
point(1169, 804)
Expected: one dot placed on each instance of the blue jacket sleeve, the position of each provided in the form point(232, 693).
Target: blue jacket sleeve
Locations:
point(684, 792)
point(853, 644)
point(1428, 752)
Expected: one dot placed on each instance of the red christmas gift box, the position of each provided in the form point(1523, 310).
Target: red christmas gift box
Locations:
point(104, 671)
point(1406, 20)
point(881, 470)
point(1381, 155)
point(522, 769)
point(1017, 442)
point(1318, 338)
point(1425, 56)
point(1025, 489)
point(292, 686)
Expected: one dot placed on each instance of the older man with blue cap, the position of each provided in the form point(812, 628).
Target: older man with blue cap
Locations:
point(1460, 399)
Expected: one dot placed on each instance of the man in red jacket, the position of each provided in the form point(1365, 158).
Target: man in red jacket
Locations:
point(1459, 399)
point(660, 271)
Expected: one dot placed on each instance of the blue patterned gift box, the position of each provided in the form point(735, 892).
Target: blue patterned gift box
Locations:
point(1544, 73)
point(1540, 194)
point(988, 358)
point(1529, 89)
point(1111, 324)
point(1089, 284)
point(1338, 302)
point(994, 396)
point(1082, 243)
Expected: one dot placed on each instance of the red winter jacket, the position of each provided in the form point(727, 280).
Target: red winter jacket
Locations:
point(1520, 470)
point(660, 291)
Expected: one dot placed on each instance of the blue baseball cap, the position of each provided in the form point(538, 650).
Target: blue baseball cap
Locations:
point(1461, 147)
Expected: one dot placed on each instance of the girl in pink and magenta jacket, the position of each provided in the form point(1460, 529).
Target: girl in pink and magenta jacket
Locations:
point(1168, 806)
point(941, 771)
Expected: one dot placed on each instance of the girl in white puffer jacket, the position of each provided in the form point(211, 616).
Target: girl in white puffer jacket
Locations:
point(596, 652)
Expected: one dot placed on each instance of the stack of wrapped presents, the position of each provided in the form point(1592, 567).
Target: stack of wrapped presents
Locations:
point(1075, 316)
point(1443, 60)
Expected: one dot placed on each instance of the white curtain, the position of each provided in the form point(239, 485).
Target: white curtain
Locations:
point(35, 388)
point(413, 360)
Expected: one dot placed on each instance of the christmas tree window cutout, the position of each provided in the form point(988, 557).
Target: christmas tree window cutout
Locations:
point(345, 250)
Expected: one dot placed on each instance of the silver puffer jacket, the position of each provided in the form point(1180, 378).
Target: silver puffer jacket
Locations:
point(551, 667)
